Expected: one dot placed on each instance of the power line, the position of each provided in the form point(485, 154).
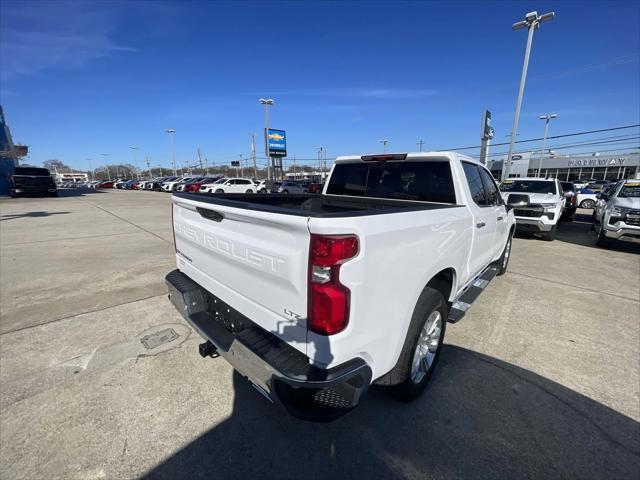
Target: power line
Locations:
point(548, 138)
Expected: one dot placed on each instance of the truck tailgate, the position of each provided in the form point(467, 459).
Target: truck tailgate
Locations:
point(255, 261)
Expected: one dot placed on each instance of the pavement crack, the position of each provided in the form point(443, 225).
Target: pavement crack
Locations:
point(574, 286)
point(81, 313)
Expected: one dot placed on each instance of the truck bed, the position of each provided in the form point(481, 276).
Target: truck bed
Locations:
point(312, 205)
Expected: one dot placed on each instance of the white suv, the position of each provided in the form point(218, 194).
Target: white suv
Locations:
point(541, 202)
point(229, 185)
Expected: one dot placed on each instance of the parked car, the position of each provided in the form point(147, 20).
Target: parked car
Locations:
point(571, 198)
point(598, 185)
point(291, 187)
point(229, 185)
point(107, 184)
point(172, 185)
point(314, 298)
point(617, 214)
point(539, 204)
point(261, 186)
point(180, 187)
point(316, 187)
point(195, 186)
point(31, 181)
point(586, 198)
point(157, 183)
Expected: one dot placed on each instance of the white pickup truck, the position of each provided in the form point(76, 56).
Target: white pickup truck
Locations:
point(314, 297)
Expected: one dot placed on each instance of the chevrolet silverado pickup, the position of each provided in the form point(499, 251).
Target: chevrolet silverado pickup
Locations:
point(314, 297)
point(541, 203)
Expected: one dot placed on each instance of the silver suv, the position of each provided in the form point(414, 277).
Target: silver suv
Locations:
point(617, 214)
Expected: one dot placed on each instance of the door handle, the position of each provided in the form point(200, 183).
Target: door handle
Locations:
point(500, 218)
point(480, 224)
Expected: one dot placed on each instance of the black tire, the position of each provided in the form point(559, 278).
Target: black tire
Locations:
point(403, 386)
point(285, 191)
point(249, 191)
point(506, 255)
point(550, 236)
point(601, 239)
point(588, 203)
point(219, 190)
point(264, 190)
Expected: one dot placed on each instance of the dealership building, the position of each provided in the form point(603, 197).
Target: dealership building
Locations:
point(597, 167)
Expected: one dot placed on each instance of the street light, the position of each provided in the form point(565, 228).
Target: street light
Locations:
point(546, 119)
point(320, 151)
point(266, 102)
point(419, 143)
point(171, 131)
point(384, 145)
point(91, 169)
point(532, 21)
point(135, 161)
point(105, 155)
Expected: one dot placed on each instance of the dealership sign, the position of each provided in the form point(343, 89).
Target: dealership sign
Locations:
point(277, 141)
point(597, 162)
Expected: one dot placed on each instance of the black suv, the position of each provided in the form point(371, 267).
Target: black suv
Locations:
point(31, 181)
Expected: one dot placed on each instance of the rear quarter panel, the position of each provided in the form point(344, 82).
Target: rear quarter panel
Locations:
point(398, 254)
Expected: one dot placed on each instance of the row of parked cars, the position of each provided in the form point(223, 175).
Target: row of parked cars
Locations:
point(540, 204)
point(218, 184)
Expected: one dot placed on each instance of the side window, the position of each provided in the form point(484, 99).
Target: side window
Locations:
point(490, 189)
point(231, 182)
point(475, 183)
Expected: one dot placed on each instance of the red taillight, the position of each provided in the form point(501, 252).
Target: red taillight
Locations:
point(328, 306)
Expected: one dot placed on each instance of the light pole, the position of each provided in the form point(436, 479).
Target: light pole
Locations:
point(384, 145)
point(171, 131)
point(546, 119)
point(266, 102)
point(91, 169)
point(320, 150)
point(135, 161)
point(532, 21)
point(420, 143)
point(105, 155)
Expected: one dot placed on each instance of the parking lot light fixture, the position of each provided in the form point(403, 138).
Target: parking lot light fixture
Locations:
point(384, 145)
point(266, 102)
point(105, 155)
point(532, 21)
point(546, 119)
point(171, 131)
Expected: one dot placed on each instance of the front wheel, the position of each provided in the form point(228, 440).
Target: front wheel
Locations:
point(285, 191)
point(422, 347)
point(588, 203)
point(263, 190)
point(249, 191)
point(550, 235)
point(601, 238)
point(506, 254)
point(219, 190)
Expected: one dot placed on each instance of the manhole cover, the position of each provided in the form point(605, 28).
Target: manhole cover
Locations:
point(154, 340)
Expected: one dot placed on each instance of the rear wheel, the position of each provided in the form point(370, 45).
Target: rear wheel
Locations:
point(285, 191)
point(219, 190)
point(588, 203)
point(263, 190)
point(249, 191)
point(422, 347)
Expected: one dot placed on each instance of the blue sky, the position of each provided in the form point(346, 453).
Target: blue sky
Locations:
point(82, 78)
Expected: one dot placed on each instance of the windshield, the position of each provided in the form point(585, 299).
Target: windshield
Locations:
point(221, 180)
point(528, 186)
point(36, 172)
point(630, 190)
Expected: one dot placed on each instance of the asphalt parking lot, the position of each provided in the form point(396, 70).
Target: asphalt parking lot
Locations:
point(540, 379)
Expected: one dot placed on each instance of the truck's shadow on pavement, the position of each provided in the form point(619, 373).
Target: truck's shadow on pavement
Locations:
point(480, 418)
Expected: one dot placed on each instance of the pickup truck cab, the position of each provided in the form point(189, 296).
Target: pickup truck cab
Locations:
point(313, 297)
point(617, 213)
point(542, 204)
point(31, 181)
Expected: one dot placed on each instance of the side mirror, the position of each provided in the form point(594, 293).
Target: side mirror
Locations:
point(516, 200)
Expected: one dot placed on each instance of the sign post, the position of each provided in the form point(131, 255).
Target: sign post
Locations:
point(486, 134)
point(277, 149)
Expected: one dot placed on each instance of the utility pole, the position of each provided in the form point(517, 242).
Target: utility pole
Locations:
point(532, 21)
point(148, 161)
point(384, 145)
point(171, 131)
point(91, 170)
point(241, 169)
point(200, 159)
point(420, 143)
point(320, 150)
point(253, 153)
point(160, 169)
point(547, 118)
point(295, 174)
